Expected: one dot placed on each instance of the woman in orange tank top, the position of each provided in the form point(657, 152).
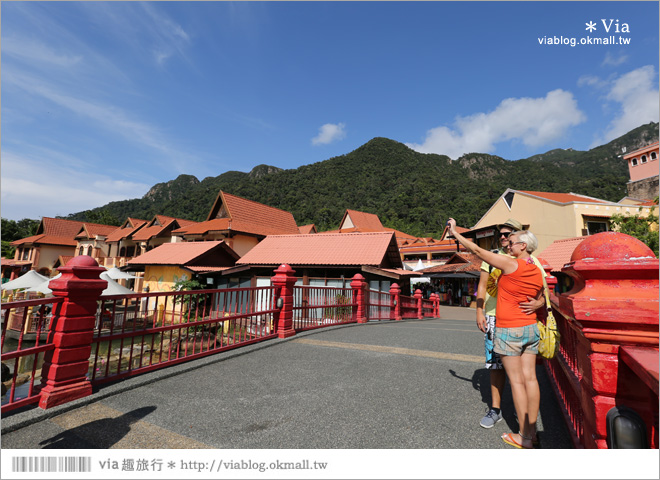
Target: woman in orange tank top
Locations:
point(516, 335)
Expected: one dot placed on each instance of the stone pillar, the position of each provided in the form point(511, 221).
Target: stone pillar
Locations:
point(613, 305)
point(359, 286)
point(418, 297)
point(395, 292)
point(435, 299)
point(64, 373)
point(283, 281)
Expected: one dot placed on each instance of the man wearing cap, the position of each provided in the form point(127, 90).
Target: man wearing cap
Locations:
point(486, 313)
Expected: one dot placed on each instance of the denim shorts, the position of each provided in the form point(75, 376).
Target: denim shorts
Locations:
point(493, 361)
point(518, 340)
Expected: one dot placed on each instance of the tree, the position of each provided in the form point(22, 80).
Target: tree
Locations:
point(642, 228)
point(13, 230)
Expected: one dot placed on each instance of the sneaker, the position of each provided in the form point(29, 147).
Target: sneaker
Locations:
point(491, 418)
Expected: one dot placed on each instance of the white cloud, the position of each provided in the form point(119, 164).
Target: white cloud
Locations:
point(533, 121)
point(34, 187)
point(614, 61)
point(637, 94)
point(329, 133)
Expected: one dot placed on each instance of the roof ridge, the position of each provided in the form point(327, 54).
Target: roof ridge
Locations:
point(254, 201)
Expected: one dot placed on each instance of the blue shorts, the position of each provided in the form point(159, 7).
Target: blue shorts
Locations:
point(493, 361)
point(517, 340)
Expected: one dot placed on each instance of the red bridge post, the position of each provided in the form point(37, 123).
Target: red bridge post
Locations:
point(395, 300)
point(283, 281)
point(64, 373)
point(418, 296)
point(359, 286)
point(609, 345)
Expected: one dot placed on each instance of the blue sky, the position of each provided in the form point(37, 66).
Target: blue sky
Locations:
point(100, 101)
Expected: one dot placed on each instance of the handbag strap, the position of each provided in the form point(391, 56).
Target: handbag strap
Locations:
point(546, 292)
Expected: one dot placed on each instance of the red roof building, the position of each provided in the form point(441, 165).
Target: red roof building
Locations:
point(307, 229)
point(240, 222)
point(559, 252)
point(169, 263)
point(55, 237)
point(328, 259)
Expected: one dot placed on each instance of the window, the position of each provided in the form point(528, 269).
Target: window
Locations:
point(654, 155)
point(89, 250)
point(508, 198)
point(643, 158)
point(122, 252)
point(596, 227)
point(26, 254)
point(633, 162)
point(81, 250)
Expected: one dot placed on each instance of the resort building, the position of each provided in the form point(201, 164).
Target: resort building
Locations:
point(241, 223)
point(551, 216)
point(644, 172)
point(55, 237)
point(170, 263)
point(329, 259)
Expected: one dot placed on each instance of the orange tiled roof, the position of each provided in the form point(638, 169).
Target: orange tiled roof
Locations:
point(460, 262)
point(559, 252)
point(244, 216)
point(131, 225)
point(59, 227)
point(46, 240)
point(91, 230)
point(563, 197)
point(375, 249)
point(363, 222)
point(159, 224)
point(307, 229)
point(58, 231)
point(182, 253)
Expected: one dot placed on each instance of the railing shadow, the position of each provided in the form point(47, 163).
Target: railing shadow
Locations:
point(105, 432)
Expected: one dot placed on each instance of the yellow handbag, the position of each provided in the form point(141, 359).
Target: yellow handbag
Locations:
point(550, 336)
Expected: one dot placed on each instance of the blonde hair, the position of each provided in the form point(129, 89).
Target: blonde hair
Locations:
point(528, 238)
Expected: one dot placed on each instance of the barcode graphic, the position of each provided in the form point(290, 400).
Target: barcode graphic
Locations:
point(51, 464)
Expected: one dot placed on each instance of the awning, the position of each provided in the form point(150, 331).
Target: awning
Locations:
point(454, 275)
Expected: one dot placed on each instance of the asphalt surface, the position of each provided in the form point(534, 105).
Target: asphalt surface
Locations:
point(413, 384)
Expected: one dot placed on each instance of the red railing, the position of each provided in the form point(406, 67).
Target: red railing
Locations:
point(26, 336)
point(138, 333)
point(409, 307)
point(143, 332)
point(564, 372)
point(315, 307)
point(380, 305)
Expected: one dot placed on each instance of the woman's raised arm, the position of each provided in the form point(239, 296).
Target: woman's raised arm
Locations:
point(505, 263)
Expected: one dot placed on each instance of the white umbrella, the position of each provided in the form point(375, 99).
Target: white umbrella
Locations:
point(30, 279)
point(117, 274)
point(43, 287)
point(113, 287)
point(419, 266)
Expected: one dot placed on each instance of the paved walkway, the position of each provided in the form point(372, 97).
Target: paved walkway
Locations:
point(414, 384)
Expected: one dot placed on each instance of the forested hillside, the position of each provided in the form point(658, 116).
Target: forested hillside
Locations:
point(410, 191)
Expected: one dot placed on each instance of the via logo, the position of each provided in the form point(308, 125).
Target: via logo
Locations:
point(609, 25)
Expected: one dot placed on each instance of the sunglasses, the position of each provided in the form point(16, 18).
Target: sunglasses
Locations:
point(505, 234)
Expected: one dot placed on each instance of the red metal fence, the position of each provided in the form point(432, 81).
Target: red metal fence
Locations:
point(128, 335)
point(27, 334)
point(315, 307)
point(139, 333)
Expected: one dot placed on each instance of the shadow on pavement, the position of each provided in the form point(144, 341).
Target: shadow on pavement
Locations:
point(105, 432)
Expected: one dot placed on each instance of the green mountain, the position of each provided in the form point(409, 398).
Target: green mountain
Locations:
point(410, 191)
